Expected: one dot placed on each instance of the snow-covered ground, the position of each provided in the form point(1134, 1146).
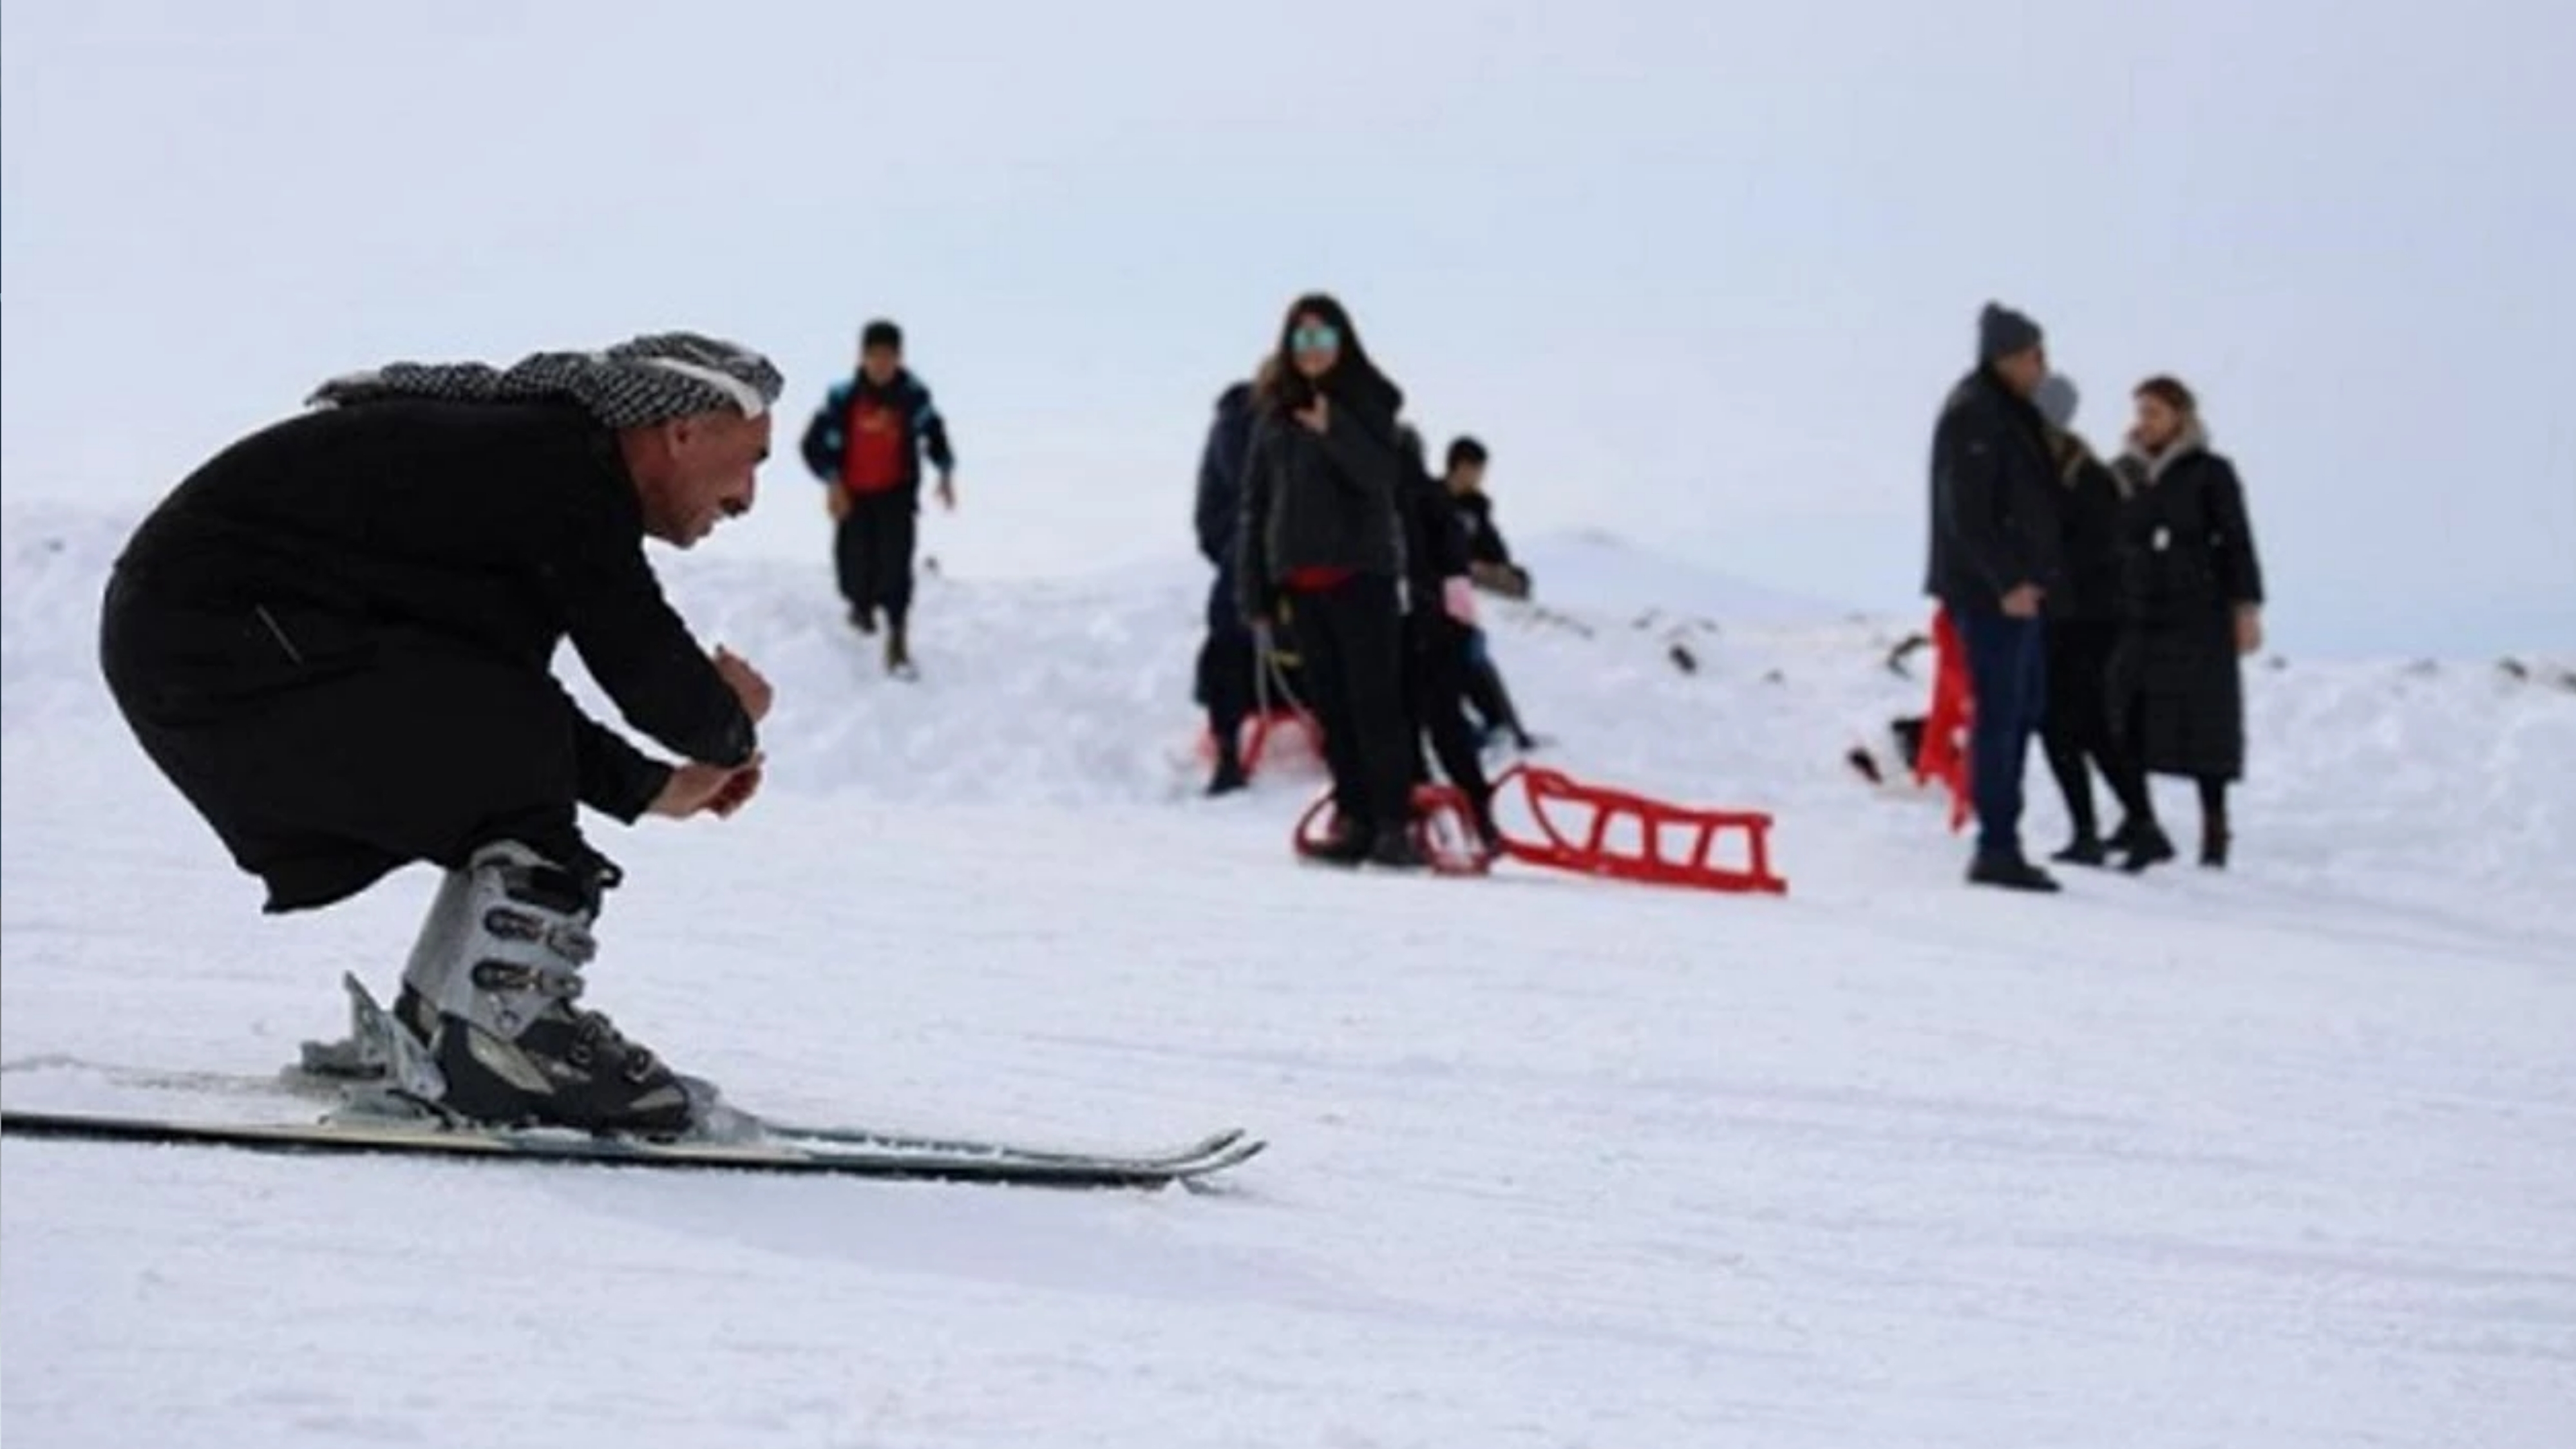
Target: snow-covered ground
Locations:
point(2280, 1157)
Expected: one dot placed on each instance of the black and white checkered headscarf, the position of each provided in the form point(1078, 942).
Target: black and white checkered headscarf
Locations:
point(646, 380)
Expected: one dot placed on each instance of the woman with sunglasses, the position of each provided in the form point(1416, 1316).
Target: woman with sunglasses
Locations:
point(1320, 530)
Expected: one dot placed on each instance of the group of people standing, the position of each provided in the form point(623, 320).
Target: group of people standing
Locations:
point(1318, 509)
point(2102, 606)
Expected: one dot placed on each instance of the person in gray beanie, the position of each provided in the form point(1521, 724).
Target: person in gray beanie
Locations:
point(1994, 561)
point(335, 639)
point(2084, 622)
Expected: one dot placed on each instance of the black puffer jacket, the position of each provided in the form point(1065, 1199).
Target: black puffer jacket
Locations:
point(1994, 505)
point(2088, 513)
point(1435, 532)
point(1322, 501)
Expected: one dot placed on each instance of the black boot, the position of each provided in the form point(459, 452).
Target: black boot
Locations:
point(1394, 849)
point(2010, 872)
point(1343, 844)
point(2085, 849)
point(898, 650)
point(2214, 835)
point(1229, 776)
point(2147, 846)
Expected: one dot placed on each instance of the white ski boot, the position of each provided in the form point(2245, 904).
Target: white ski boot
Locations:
point(489, 994)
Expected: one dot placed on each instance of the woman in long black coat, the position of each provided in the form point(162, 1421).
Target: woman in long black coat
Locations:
point(2192, 590)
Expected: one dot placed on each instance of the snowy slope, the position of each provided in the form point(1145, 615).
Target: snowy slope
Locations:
point(2281, 1157)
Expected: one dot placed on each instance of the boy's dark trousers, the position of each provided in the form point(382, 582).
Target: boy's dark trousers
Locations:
point(872, 552)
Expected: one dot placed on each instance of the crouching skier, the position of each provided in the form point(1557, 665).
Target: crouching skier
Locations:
point(335, 637)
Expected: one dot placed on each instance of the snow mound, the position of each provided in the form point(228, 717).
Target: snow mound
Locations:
point(1596, 571)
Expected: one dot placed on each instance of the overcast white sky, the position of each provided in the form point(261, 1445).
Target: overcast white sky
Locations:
point(1699, 273)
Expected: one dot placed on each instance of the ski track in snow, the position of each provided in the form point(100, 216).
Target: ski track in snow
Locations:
point(2281, 1157)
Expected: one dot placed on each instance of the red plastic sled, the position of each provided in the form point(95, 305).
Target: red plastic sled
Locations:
point(1953, 712)
point(1673, 844)
point(1443, 830)
point(1285, 737)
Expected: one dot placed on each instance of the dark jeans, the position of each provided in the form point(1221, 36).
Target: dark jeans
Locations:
point(872, 552)
point(1350, 647)
point(2008, 674)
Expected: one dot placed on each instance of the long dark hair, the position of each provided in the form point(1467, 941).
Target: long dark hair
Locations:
point(1354, 379)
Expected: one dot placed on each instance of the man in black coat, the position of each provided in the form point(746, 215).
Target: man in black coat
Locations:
point(335, 639)
point(1994, 561)
point(1227, 656)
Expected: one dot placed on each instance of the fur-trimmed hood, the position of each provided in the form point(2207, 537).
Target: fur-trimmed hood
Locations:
point(2136, 467)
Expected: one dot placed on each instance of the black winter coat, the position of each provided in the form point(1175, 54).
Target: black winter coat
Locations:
point(1484, 541)
point(1324, 500)
point(1435, 538)
point(2187, 560)
point(334, 542)
point(1221, 465)
point(2088, 514)
point(826, 439)
point(1994, 503)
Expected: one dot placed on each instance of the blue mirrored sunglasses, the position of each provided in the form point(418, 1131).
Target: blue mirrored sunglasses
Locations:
point(1317, 338)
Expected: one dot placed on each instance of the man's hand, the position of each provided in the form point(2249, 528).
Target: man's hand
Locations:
point(2023, 602)
point(2249, 628)
point(836, 501)
point(948, 492)
point(718, 788)
point(747, 685)
point(1318, 417)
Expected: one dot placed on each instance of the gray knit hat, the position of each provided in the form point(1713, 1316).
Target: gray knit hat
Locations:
point(2055, 398)
point(2001, 332)
point(643, 380)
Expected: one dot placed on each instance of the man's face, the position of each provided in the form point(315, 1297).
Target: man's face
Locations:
point(1466, 477)
point(704, 473)
point(2022, 371)
point(880, 364)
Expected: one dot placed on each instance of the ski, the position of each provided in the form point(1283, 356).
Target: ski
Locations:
point(1213, 1145)
point(785, 1155)
point(385, 1084)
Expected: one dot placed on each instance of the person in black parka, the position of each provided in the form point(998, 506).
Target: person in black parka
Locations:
point(1320, 527)
point(1228, 655)
point(2083, 622)
point(1439, 630)
point(336, 637)
point(1994, 561)
point(1491, 566)
point(2192, 585)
